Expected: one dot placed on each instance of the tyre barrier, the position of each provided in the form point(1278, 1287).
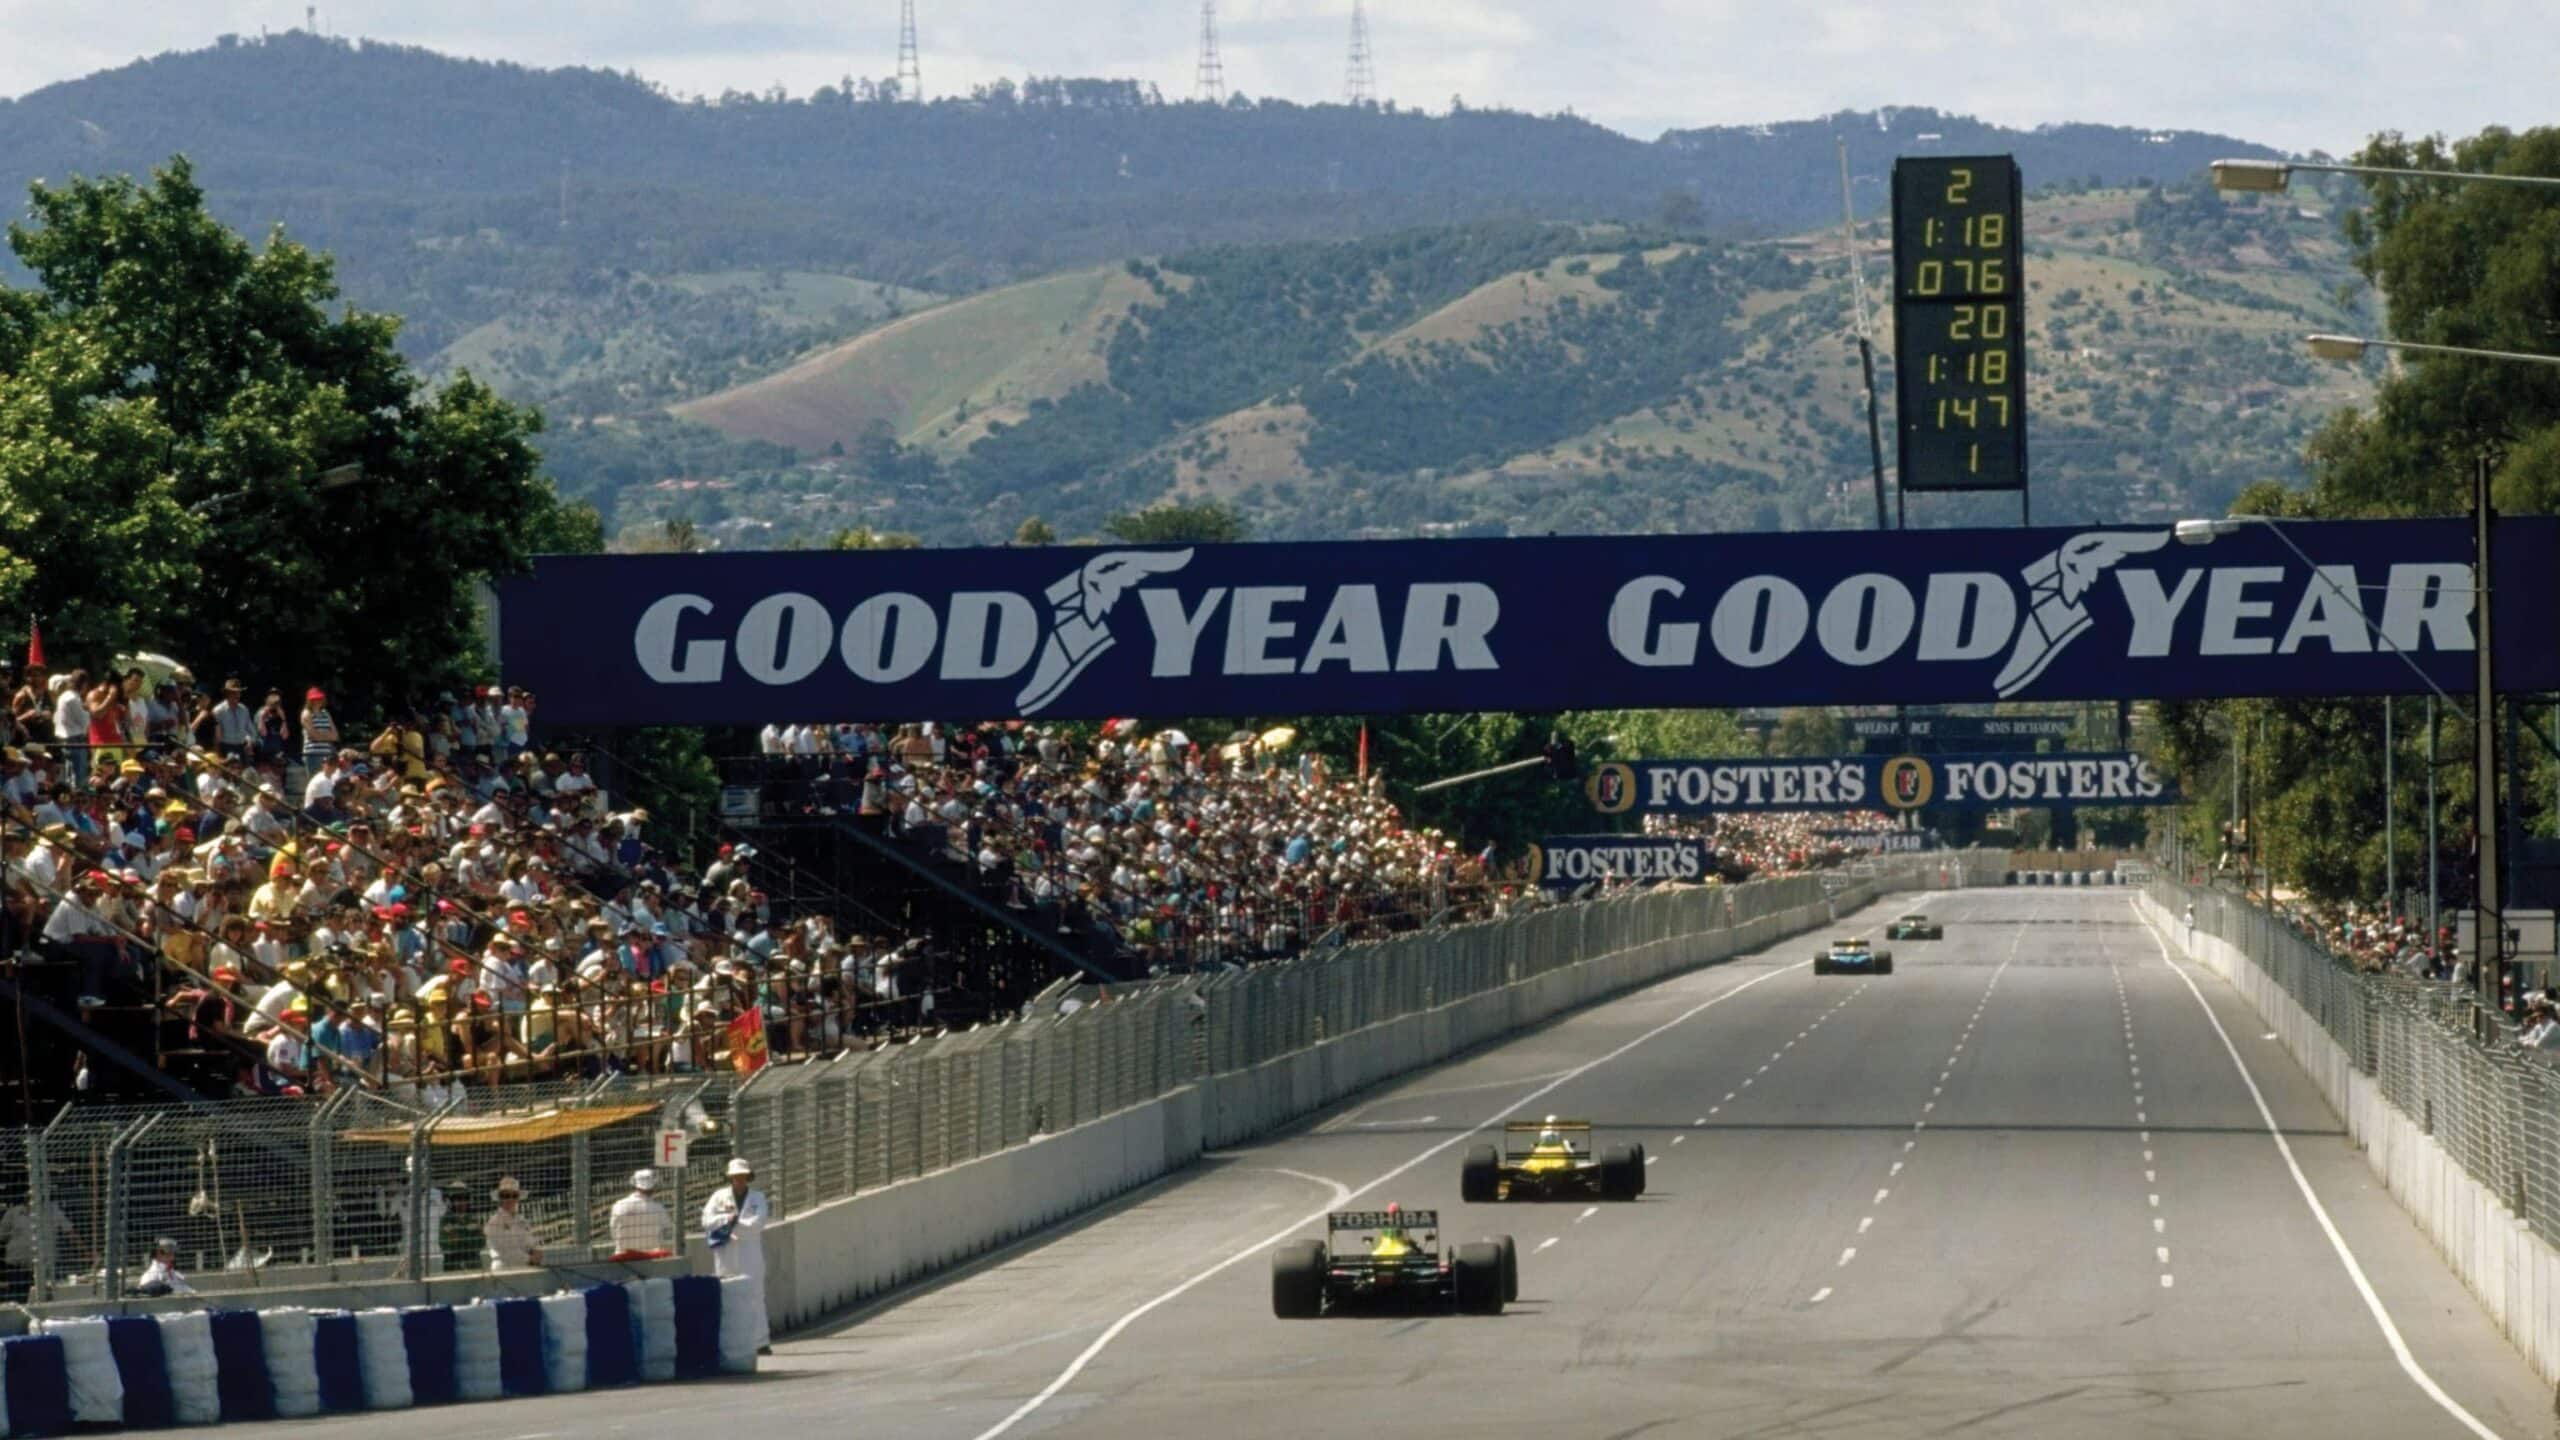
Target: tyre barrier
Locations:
point(204, 1367)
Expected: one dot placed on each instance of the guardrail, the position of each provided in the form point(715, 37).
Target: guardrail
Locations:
point(275, 1194)
point(2495, 1108)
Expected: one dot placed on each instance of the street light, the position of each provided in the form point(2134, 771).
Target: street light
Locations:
point(2205, 532)
point(2260, 177)
point(336, 477)
point(2352, 348)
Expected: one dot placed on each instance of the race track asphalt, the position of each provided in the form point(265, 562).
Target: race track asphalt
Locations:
point(2017, 1188)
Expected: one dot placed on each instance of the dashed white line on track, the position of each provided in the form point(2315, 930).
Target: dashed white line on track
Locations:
point(1820, 1295)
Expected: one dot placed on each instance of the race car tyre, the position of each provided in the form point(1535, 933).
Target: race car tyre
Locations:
point(1619, 1179)
point(1641, 1180)
point(1476, 1276)
point(1297, 1280)
point(1480, 1176)
point(1884, 964)
point(1821, 964)
point(1510, 1266)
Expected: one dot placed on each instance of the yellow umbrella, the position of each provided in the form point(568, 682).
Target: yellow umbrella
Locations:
point(1279, 737)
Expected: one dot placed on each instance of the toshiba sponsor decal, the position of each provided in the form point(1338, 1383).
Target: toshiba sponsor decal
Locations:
point(1876, 782)
point(1919, 617)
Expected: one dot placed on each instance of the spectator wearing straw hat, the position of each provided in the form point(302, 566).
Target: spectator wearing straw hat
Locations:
point(512, 1243)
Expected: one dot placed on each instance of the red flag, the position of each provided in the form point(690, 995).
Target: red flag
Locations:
point(1364, 752)
point(747, 1052)
point(35, 646)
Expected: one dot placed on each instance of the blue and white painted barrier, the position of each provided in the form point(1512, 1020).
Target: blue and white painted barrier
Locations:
point(203, 1367)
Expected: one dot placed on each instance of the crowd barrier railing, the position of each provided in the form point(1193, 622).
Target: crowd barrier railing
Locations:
point(270, 1198)
point(2464, 1132)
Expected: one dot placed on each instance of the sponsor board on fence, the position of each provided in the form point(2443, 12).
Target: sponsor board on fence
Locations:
point(1874, 782)
point(1567, 862)
point(1843, 618)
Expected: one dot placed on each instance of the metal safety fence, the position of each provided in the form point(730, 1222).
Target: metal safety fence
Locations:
point(2492, 1104)
point(370, 1185)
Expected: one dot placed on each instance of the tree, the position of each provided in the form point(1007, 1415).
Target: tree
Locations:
point(1177, 523)
point(198, 456)
point(863, 537)
point(1035, 531)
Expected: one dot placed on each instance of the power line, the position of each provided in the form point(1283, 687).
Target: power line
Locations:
point(910, 64)
point(1209, 82)
point(1360, 86)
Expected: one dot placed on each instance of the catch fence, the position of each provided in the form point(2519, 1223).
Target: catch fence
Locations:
point(371, 1185)
point(2493, 1105)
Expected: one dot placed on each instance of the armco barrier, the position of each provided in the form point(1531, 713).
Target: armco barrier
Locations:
point(1284, 1041)
point(202, 1367)
point(2514, 1272)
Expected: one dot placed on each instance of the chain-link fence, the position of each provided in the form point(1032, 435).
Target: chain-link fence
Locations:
point(273, 1192)
point(363, 1187)
point(2494, 1106)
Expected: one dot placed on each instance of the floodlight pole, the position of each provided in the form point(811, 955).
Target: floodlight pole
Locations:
point(2490, 927)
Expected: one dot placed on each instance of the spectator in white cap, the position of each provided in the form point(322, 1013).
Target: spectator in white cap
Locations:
point(511, 1239)
point(161, 1276)
point(641, 1227)
point(733, 1224)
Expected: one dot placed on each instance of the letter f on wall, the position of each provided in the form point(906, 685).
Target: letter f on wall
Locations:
point(1078, 606)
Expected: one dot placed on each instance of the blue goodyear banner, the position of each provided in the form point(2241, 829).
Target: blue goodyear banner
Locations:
point(1382, 627)
point(1874, 782)
point(1566, 862)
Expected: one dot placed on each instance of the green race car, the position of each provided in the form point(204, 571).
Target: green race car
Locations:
point(1916, 927)
point(1852, 957)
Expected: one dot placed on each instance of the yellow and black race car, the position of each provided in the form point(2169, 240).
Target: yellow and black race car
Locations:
point(1550, 1158)
point(1852, 957)
point(1916, 927)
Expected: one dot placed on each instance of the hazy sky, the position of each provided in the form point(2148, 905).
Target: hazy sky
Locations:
point(2296, 73)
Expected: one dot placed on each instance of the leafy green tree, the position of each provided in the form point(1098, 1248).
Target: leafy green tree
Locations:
point(209, 461)
point(863, 537)
point(1035, 531)
point(1177, 523)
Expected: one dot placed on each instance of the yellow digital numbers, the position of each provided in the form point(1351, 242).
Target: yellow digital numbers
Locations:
point(1959, 185)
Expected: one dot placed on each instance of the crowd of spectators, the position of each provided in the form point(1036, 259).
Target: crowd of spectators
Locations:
point(439, 903)
point(1186, 853)
point(1786, 842)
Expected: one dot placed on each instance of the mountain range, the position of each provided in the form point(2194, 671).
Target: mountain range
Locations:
point(1067, 297)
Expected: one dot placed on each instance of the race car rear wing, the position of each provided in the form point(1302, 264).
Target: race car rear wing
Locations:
point(1380, 1219)
point(1519, 1137)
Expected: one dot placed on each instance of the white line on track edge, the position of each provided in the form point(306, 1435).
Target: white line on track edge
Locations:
point(1085, 1357)
point(2409, 1365)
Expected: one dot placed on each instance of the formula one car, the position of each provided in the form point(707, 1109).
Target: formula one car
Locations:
point(1547, 1159)
point(1916, 927)
point(1852, 957)
point(1391, 1258)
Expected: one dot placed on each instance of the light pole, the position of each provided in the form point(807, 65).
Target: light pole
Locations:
point(2352, 347)
point(2491, 928)
point(2266, 176)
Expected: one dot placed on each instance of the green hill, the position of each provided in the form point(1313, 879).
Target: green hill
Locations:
point(1535, 378)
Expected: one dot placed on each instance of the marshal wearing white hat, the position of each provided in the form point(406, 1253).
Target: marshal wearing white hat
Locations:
point(640, 1225)
point(733, 1225)
point(510, 1237)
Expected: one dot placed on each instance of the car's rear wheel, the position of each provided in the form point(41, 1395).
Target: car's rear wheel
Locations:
point(1297, 1280)
point(1476, 1276)
point(1618, 1173)
point(1642, 1180)
point(1510, 1266)
point(1480, 1176)
point(1821, 964)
